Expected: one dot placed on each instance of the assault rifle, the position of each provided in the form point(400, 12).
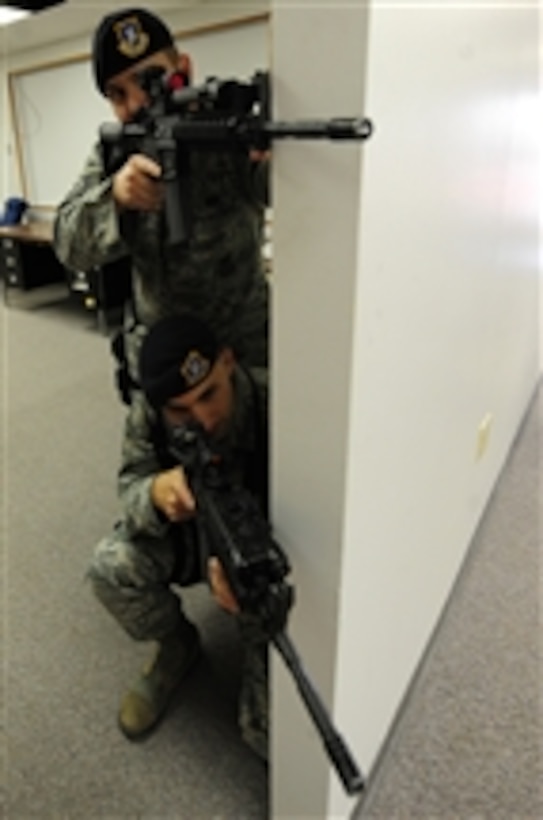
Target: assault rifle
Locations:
point(227, 114)
point(235, 531)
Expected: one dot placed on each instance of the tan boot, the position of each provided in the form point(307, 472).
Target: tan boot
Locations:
point(145, 702)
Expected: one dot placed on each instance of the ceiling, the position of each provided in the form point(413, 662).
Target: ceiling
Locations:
point(71, 19)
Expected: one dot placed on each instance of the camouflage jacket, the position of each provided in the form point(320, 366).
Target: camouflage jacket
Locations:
point(243, 448)
point(218, 274)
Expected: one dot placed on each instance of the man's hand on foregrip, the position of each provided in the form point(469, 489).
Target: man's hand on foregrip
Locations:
point(220, 587)
point(171, 494)
point(137, 184)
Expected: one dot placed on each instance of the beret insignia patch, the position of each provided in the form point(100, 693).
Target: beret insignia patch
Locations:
point(195, 367)
point(132, 41)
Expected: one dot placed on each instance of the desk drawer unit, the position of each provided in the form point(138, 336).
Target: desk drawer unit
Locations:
point(27, 265)
point(10, 262)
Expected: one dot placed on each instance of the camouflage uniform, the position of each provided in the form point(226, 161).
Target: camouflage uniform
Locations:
point(218, 275)
point(133, 567)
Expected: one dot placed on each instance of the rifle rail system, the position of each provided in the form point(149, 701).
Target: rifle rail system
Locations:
point(225, 114)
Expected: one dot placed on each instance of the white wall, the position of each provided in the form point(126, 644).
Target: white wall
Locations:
point(316, 204)
point(58, 82)
point(59, 111)
point(540, 188)
point(433, 311)
point(4, 118)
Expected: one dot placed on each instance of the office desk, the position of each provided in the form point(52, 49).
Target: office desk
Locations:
point(27, 258)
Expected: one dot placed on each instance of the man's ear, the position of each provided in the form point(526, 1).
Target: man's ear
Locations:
point(228, 359)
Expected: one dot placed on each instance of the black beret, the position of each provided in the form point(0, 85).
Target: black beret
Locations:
point(177, 354)
point(123, 39)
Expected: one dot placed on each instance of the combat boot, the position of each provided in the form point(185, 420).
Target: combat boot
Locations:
point(143, 705)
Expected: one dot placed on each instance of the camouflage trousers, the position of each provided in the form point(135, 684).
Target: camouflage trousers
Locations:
point(133, 577)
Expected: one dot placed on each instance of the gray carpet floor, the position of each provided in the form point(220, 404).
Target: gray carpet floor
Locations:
point(65, 662)
point(466, 745)
point(468, 742)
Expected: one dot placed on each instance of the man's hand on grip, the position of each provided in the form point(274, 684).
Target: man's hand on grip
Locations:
point(171, 494)
point(137, 184)
point(220, 587)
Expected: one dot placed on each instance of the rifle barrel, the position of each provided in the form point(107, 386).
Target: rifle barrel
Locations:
point(338, 128)
point(342, 759)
